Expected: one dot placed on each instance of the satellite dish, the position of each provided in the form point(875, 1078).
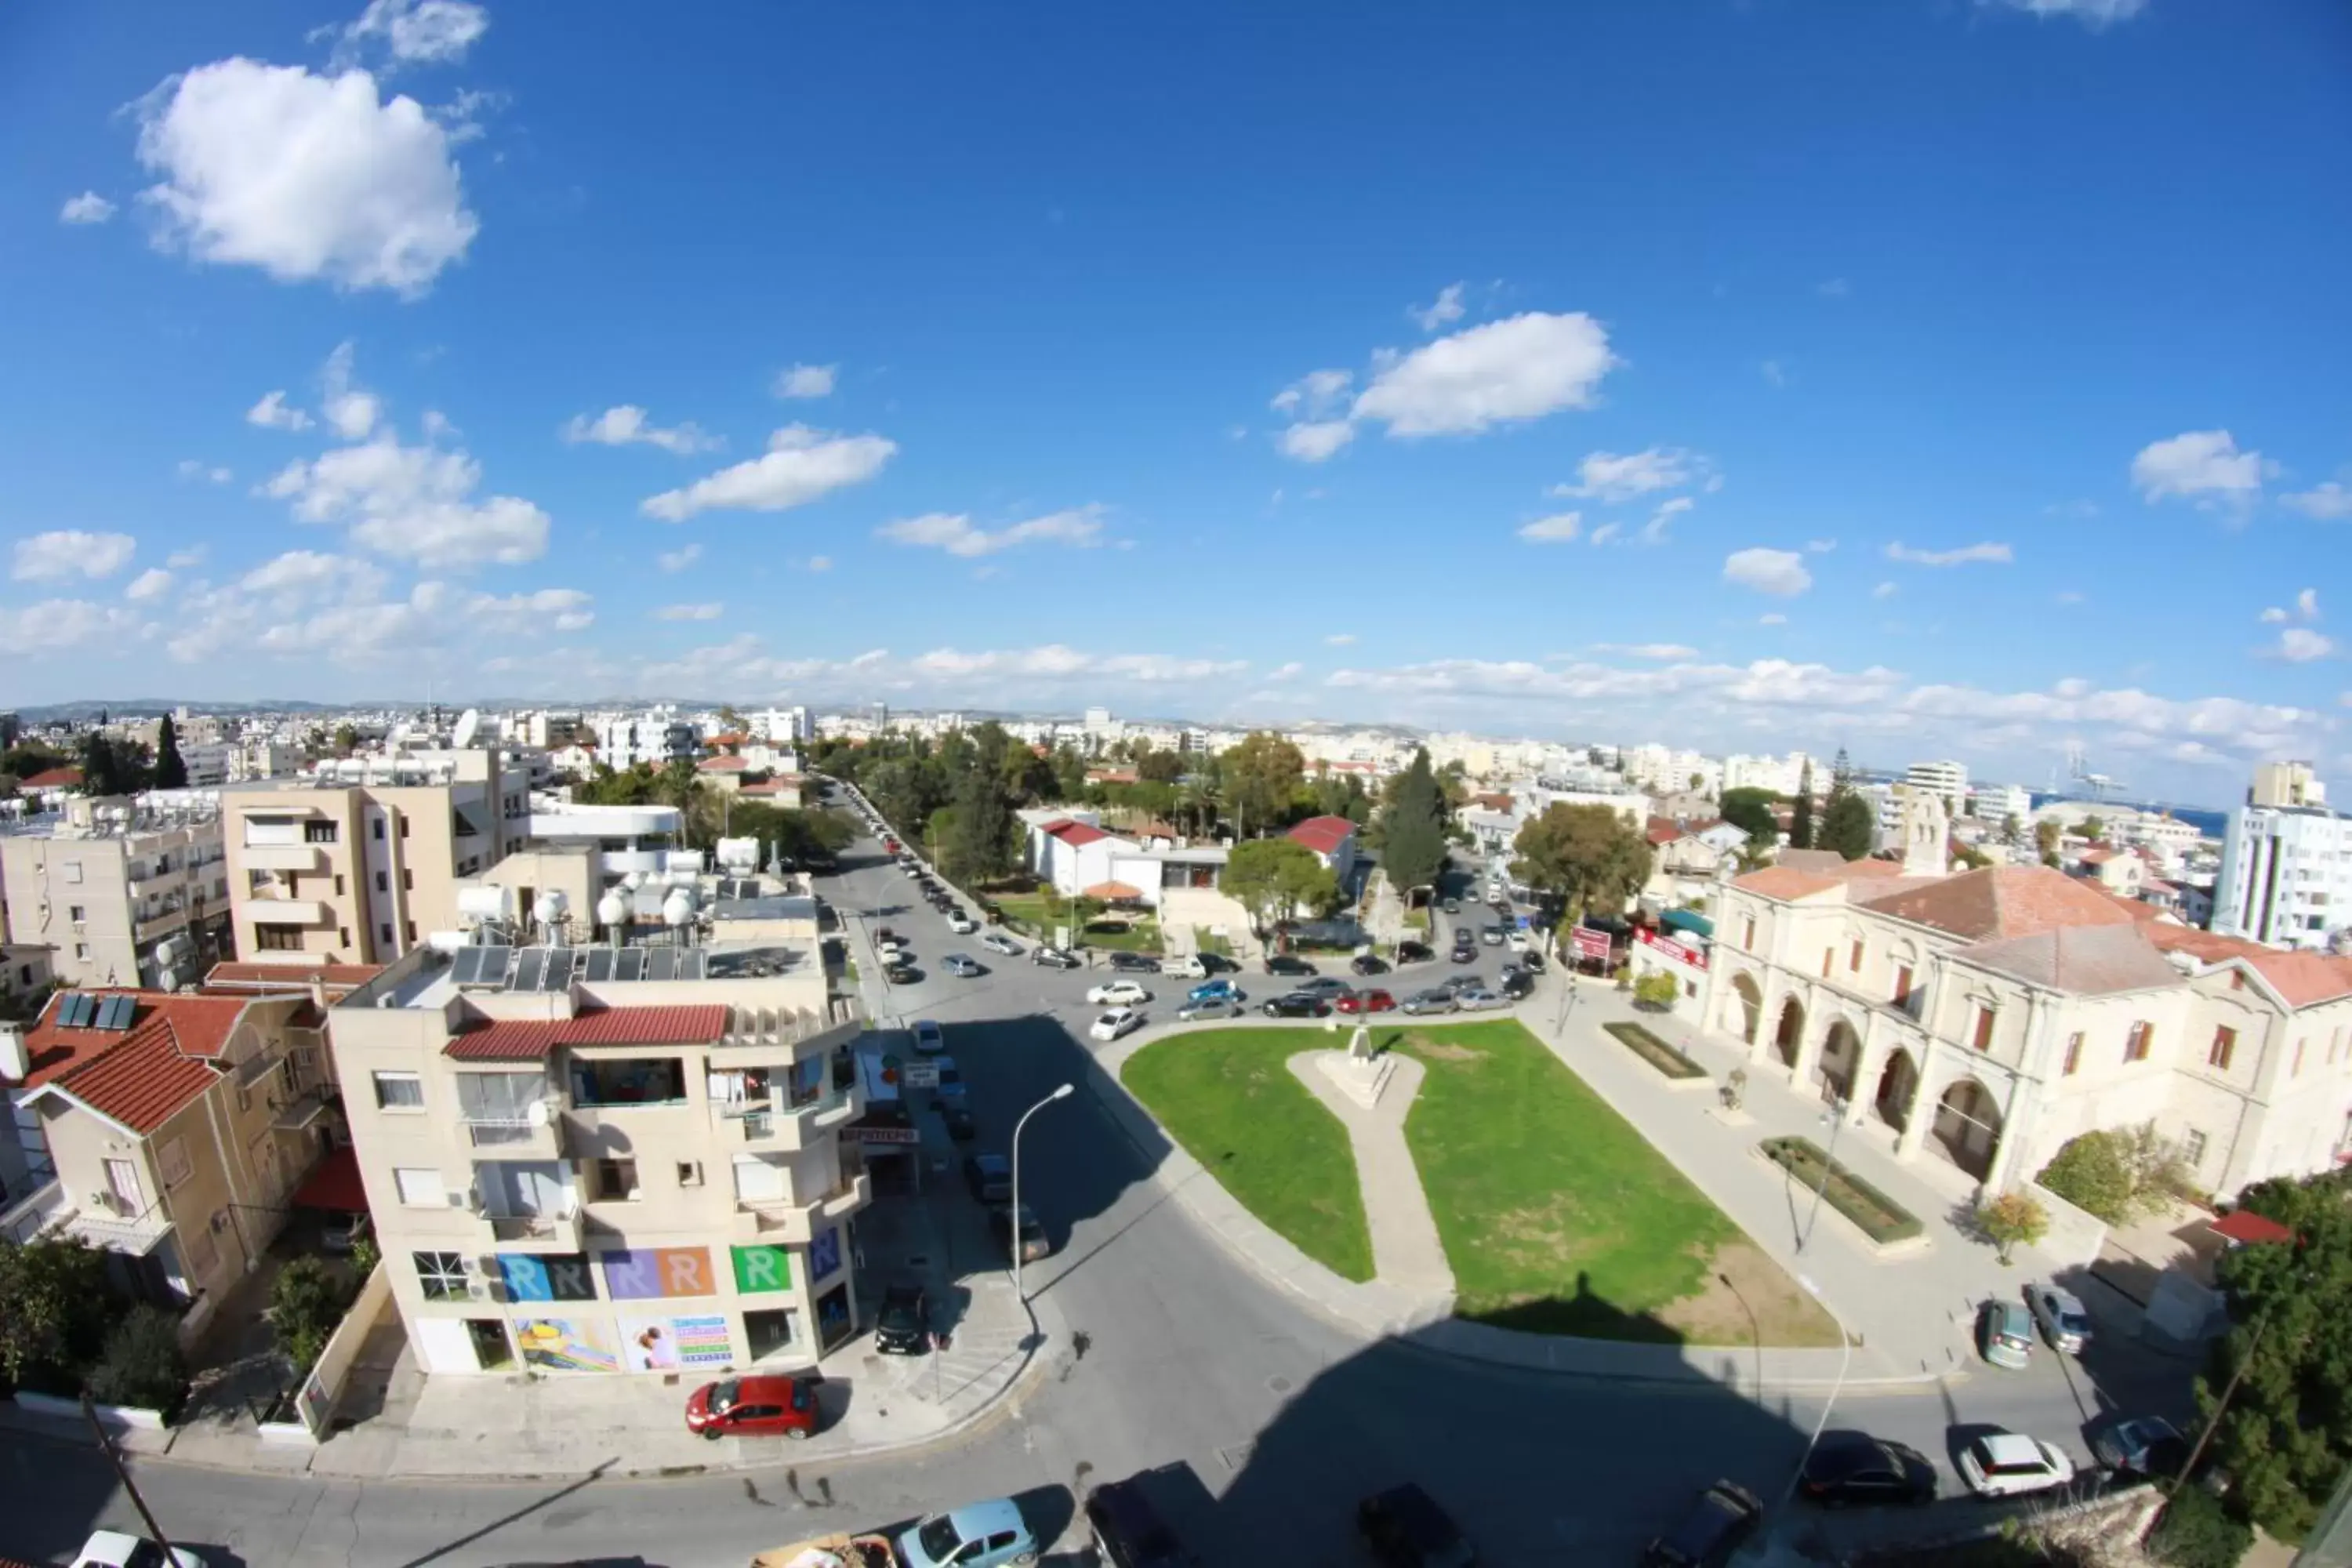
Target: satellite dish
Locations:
point(469, 723)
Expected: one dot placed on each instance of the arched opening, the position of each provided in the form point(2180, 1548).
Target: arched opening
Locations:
point(1747, 1009)
point(1841, 1059)
point(1968, 1124)
point(1791, 1030)
point(1897, 1087)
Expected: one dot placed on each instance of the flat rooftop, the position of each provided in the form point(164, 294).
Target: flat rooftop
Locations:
point(491, 969)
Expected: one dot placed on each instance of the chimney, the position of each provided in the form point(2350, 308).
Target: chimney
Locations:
point(15, 1061)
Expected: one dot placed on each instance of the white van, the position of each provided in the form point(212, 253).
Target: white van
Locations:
point(1188, 967)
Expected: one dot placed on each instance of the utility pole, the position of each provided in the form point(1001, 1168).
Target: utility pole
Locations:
point(123, 1473)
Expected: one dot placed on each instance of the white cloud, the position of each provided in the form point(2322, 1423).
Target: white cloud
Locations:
point(2273, 617)
point(1773, 618)
point(1884, 590)
point(1613, 477)
point(625, 426)
point(349, 410)
point(152, 584)
point(679, 560)
point(2307, 603)
point(1655, 530)
point(86, 208)
point(61, 626)
point(1773, 373)
point(956, 533)
point(191, 469)
point(414, 503)
point(70, 552)
point(1557, 529)
point(305, 576)
point(1820, 546)
point(820, 563)
point(800, 466)
point(1444, 310)
point(2201, 466)
point(1315, 440)
point(179, 559)
point(1607, 531)
point(1777, 572)
point(559, 609)
point(1673, 651)
point(1340, 639)
point(689, 612)
point(1290, 671)
point(2092, 13)
point(2330, 502)
point(1522, 367)
point(2301, 645)
point(1313, 394)
point(2070, 596)
point(806, 380)
point(273, 414)
point(418, 32)
point(307, 177)
point(1967, 554)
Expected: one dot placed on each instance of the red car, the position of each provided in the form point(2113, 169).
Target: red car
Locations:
point(1373, 1001)
point(755, 1407)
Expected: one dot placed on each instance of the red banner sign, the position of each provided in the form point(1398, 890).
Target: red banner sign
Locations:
point(1591, 943)
point(1672, 949)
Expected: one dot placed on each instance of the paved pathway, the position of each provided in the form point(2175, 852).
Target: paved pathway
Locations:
point(1406, 1251)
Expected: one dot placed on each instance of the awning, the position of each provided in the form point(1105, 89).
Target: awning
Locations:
point(1687, 919)
point(1115, 892)
point(334, 1183)
point(2248, 1228)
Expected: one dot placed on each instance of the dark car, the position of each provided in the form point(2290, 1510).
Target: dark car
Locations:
point(901, 974)
point(1464, 950)
point(1365, 963)
point(1288, 963)
point(1532, 960)
point(903, 1326)
point(754, 1406)
point(1295, 1005)
point(2142, 1445)
point(1406, 1528)
point(1517, 983)
point(1035, 1243)
point(1135, 963)
point(1129, 1533)
point(1053, 957)
point(990, 1177)
point(1452, 906)
point(883, 934)
point(959, 1122)
point(1416, 952)
point(1718, 1523)
point(1852, 1467)
point(1327, 986)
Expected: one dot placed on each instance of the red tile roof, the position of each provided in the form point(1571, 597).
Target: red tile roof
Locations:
point(777, 786)
point(1323, 835)
point(53, 778)
point(723, 765)
point(531, 1039)
point(2300, 979)
point(2002, 901)
point(1784, 882)
point(1075, 834)
point(140, 1076)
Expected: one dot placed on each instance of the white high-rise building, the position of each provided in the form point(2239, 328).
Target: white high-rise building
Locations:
point(2286, 784)
point(1995, 803)
point(2286, 871)
point(1949, 779)
point(784, 726)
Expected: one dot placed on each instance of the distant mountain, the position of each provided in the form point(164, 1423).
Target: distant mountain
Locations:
point(142, 707)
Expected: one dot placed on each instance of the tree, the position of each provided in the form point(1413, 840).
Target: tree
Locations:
point(109, 766)
point(1801, 821)
point(1272, 878)
point(2119, 1174)
point(53, 1310)
point(1030, 779)
point(978, 845)
point(2010, 1218)
point(1655, 989)
point(2012, 830)
point(143, 1364)
point(171, 773)
point(2046, 835)
point(1261, 775)
point(306, 1302)
point(347, 739)
point(1588, 855)
point(1750, 811)
point(1698, 781)
point(1972, 858)
point(1848, 826)
point(1412, 827)
point(1159, 767)
point(2093, 828)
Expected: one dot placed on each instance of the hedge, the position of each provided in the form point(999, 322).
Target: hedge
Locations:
point(1881, 1217)
point(1656, 1051)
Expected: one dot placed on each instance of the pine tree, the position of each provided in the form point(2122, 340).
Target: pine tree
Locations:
point(171, 773)
point(1800, 818)
point(1413, 827)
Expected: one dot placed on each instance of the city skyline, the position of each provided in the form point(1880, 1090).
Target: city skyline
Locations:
point(1657, 406)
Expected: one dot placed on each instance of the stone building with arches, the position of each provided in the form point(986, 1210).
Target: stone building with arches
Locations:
point(1988, 1016)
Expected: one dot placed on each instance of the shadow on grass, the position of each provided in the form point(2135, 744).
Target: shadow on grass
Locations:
point(1583, 1314)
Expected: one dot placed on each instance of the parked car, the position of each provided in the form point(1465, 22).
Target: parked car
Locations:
point(961, 923)
point(1034, 1244)
point(2060, 1315)
point(1492, 936)
point(1366, 1002)
point(1452, 906)
point(959, 1122)
point(1228, 1005)
point(1712, 1530)
point(1135, 963)
point(963, 965)
point(1532, 960)
point(1128, 1531)
point(1416, 952)
point(2010, 1464)
point(977, 1535)
point(1406, 1528)
point(914, 873)
point(755, 1407)
point(891, 949)
point(903, 1326)
point(1429, 1001)
point(884, 936)
point(1455, 984)
point(1188, 967)
point(901, 974)
point(1330, 987)
point(1848, 1467)
point(1054, 957)
point(951, 1085)
point(2005, 1334)
point(1477, 999)
point(1516, 984)
point(1517, 940)
point(1464, 950)
point(997, 941)
point(1367, 964)
point(990, 1177)
point(1209, 989)
point(1119, 1021)
point(344, 1229)
point(2142, 1445)
point(1117, 992)
point(1288, 963)
point(113, 1549)
point(929, 1039)
point(1295, 1004)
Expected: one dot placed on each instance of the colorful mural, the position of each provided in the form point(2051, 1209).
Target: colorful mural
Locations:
point(758, 1269)
point(567, 1344)
point(547, 1277)
point(825, 1254)
point(648, 1273)
point(668, 1345)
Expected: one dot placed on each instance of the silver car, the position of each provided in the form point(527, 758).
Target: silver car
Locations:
point(1428, 1002)
point(962, 965)
point(1226, 1006)
point(2060, 1315)
point(1477, 999)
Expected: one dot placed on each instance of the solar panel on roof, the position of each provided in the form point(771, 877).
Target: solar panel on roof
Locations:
point(560, 962)
point(629, 963)
point(659, 961)
point(115, 1012)
point(465, 969)
point(74, 1011)
point(495, 961)
point(689, 963)
point(530, 964)
point(599, 965)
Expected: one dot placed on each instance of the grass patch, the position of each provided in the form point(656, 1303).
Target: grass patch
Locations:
point(1227, 1096)
point(1656, 1051)
point(1142, 936)
point(1881, 1217)
point(1417, 919)
point(1206, 941)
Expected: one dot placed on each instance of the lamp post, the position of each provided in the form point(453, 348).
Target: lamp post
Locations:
point(1064, 1092)
point(1845, 1342)
point(1829, 1163)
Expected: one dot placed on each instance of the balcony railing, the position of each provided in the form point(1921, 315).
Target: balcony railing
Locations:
point(540, 1133)
point(774, 1121)
point(551, 1232)
point(795, 1224)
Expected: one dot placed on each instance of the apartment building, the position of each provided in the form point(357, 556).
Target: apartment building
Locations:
point(657, 738)
point(1995, 803)
point(2292, 785)
point(610, 1159)
point(1947, 779)
point(1995, 1015)
point(168, 1130)
point(359, 861)
point(2286, 876)
point(129, 890)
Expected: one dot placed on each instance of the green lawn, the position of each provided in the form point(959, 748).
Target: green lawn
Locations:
point(1225, 1096)
point(1143, 936)
point(1206, 941)
point(1027, 907)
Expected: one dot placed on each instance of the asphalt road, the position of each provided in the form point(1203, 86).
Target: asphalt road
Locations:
point(1269, 1422)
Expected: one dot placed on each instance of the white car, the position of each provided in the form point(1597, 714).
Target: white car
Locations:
point(2009, 1464)
point(1189, 967)
point(963, 925)
point(1519, 940)
point(890, 952)
point(1118, 994)
point(1115, 1023)
point(962, 965)
point(997, 941)
point(929, 1039)
point(113, 1549)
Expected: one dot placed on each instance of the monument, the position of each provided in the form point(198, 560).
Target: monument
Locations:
point(1361, 1072)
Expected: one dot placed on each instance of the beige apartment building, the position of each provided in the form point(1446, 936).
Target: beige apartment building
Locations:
point(359, 862)
point(128, 890)
point(610, 1159)
point(1993, 1016)
point(169, 1129)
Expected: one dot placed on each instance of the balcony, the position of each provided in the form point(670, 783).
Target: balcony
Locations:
point(527, 1232)
point(786, 1223)
point(537, 1136)
point(772, 1124)
point(286, 857)
point(287, 911)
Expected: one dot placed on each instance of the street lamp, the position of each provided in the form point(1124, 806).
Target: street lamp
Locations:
point(1064, 1092)
point(1845, 1342)
point(1838, 1103)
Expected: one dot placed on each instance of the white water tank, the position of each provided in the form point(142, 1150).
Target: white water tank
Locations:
point(487, 902)
point(613, 909)
point(447, 941)
point(677, 909)
point(554, 906)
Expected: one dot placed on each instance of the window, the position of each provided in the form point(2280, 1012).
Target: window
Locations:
point(343, 936)
point(82, 951)
point(77, 914)
point(2224, 1046)
point(204, 1254)
point(317, 833)
point(385, 932)
point(1903, 985)
point(278, 939)
point(441, 1274)
point(411, 932)
point(2237, 980)
point(2074, 1054)
point(172, 1160)
point(2136, 1042)
point(1853, 960)
point(408, 881)
point(398, 1091)
point(73, 872)
point(616, 1180)
point(690, 1173)
point(403, 826)
point(2192, 1148)
point(1747, 936)
point(338, 884)
point(1828, 960)
point(1985, 1016)
point(382, 883)
point(378, 827)
point(420, 1187)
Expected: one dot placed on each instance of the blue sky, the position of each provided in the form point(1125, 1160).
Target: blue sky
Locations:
point(1928, 377)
